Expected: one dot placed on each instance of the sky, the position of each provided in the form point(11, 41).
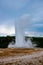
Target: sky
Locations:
point(30, 11)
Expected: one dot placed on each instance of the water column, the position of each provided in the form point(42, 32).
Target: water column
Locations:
point(20, 39)
point(20, 27)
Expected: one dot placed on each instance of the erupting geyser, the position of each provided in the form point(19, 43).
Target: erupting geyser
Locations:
point(20, 31)
point(20, 27)
point(20, 40)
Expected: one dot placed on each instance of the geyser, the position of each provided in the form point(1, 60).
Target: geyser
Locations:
point(20, 27)
point(20, 31)
point(20, 39)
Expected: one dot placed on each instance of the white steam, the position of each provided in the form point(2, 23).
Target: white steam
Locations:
point(20, 26)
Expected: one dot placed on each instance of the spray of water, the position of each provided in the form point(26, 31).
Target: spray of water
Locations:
point(20, 31)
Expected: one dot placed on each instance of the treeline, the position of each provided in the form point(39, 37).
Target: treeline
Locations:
point(4, 41)
point(38, 41)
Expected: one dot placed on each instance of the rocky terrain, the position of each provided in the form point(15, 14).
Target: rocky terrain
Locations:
point(21, 56)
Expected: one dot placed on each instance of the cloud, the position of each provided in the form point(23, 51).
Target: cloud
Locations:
point(8, 22)
point(38, 16)
point(37, 11)
point(7, 28)
point(38, 25)
point(7, 31)
point(34, 34)
point(28, 12)
point(31, 27)
point(14, 3)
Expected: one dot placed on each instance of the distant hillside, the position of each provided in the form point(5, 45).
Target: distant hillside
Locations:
point(38, 41)
point(4, 41)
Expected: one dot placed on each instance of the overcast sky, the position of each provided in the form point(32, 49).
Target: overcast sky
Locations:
point(21, 10)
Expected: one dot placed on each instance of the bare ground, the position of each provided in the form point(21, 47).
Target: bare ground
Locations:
point(21, 56)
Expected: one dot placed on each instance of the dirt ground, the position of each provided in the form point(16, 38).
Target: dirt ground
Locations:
point(21, 56)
